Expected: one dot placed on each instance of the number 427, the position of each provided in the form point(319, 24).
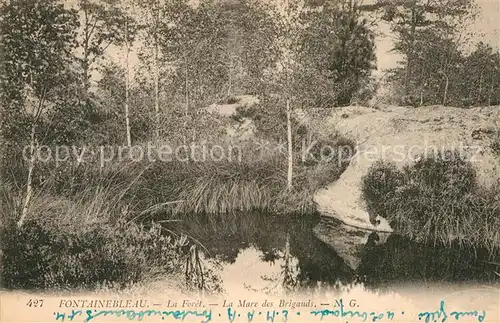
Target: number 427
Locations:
point(35, 303)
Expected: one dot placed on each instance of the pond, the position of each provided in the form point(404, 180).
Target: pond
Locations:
point(269, 254)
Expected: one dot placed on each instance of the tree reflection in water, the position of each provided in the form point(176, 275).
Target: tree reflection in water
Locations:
point(306, 262)
point(285, 241)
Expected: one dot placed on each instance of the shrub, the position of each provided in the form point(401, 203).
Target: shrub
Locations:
point(436, 199)
point(83, 244)
point(39, 256)
point(379, 186)
point(335, 149)
point(495, 144)
point(444, 173)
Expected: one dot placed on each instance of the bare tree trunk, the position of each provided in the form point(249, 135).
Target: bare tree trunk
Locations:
point(423, 86)
point(478, 99)
point(490, 93)
point(290, 146)
point(127, 81)
point(32, 161)
point(409, 56)
point(29, 181)
point(445, 94)
point(157, 81)
point(85, 61)
point(186, 94)
point(186, 85)
point(230, 76)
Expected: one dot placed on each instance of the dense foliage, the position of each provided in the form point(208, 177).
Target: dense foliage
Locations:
point(426, 200)
point(94, 73)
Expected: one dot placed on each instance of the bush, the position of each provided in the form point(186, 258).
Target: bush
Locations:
point(379, 186)
point(444, 173)
point(83, 244)
point(436, 199)
point(495, 144)
point(40, 257)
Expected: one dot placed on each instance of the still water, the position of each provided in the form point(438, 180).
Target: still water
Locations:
point(271, 253)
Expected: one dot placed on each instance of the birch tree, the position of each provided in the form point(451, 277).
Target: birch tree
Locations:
point(37, 40)
point(101, 26)
point(127, 82)
point(151, 20)
point(126, 29)
point(289, 27)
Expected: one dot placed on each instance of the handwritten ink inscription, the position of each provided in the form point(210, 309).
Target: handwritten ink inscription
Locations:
point(349, 313)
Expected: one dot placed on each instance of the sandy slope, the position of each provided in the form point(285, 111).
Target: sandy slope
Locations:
point(399, 134)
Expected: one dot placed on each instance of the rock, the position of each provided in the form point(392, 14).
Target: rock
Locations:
point(398, 135)
point(243, 129)
point(228, 110)
point(348, 242)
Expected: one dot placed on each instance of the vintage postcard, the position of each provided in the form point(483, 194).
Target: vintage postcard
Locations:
point(250, 161)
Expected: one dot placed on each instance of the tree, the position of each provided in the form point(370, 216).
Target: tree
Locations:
point(102, 24)
point(282, 82)
point(154, 12)
point(37, 40)
point(193, 41)
point(410, 18)
point(438, 60)
point(480, 77)
point(338, 53)
point(327, 54)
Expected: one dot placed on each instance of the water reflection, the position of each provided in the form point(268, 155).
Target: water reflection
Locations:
point(276, 254)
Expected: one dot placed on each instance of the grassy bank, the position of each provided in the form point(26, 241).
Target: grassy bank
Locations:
point(93, 225)
point(437, 199)
point(81, 244)
point(255, 179)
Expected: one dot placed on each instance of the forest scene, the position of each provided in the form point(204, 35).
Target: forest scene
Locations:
point(157, 139)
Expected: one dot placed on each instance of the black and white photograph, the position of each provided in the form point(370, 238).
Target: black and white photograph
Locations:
point(250, 161)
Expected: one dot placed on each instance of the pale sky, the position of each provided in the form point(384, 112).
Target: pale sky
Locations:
point(487, 23)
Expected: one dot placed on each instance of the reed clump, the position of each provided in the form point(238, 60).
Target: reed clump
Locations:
point(436, 199)
point(84, 243)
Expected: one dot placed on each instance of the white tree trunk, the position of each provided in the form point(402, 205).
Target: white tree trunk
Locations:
point(489, 94)
point(229, 88)
point(29, 181)
point(31, 161)
point(290, 146)
point(127, 81)
point(186, 85)
point(446, 89)
point(157, 81)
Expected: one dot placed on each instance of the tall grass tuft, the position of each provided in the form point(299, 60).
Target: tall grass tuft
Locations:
point(80, 243)
point(255, 182)
point(437, 199)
